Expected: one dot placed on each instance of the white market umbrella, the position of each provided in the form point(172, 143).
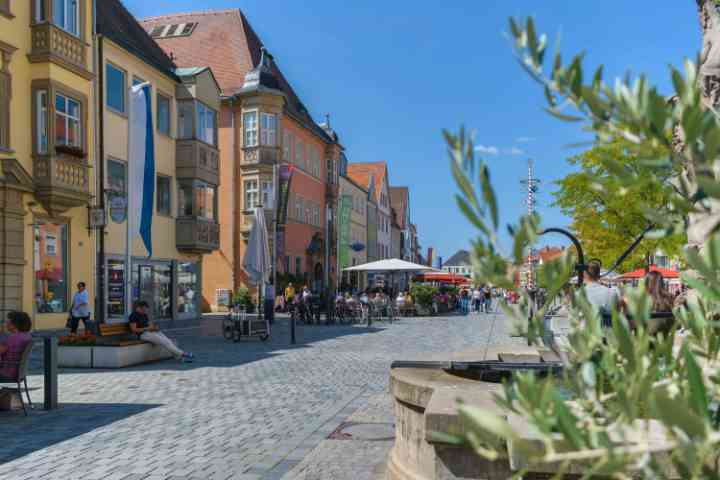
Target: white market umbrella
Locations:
point(390, 265)
point(257, 261)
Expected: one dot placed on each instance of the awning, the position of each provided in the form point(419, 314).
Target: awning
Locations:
point(390, 265)
point(641, 272)
point(442, 277)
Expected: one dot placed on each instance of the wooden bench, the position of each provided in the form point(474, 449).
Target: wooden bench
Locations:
point(407, 310)
point(117, 334)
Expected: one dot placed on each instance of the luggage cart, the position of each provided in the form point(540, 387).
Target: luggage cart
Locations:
point(239, 324)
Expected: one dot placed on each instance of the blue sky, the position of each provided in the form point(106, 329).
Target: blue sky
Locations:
point(393, 74)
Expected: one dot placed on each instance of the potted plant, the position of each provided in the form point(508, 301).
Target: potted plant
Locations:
point(423, 296)
point(243, 299)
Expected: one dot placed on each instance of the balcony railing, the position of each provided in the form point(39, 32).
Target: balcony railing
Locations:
point(196, 235)
point(61, 181)
point(196, 159)
point(52, 44)
point(260, 156)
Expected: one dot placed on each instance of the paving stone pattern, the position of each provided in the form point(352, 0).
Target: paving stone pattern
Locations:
point(242, 411)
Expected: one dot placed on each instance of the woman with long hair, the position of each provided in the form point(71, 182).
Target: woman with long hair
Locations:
point(662, 301)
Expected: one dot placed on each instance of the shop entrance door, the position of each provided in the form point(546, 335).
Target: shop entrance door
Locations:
point(147, 286)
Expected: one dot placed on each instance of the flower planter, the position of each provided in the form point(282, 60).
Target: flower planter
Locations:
point(423, 311)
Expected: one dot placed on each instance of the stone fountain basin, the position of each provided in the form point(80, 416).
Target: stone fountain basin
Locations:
point(426, 401)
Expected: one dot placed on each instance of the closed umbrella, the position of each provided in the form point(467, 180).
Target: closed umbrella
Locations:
point(257, 261)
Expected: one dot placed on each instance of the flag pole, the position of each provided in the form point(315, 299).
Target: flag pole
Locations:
point(128, 236)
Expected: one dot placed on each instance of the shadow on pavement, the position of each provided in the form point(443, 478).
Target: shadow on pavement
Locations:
point(23, 435)
point(204, 338)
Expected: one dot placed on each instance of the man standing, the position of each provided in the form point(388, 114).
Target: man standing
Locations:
point(603, 298)
point(141, 326)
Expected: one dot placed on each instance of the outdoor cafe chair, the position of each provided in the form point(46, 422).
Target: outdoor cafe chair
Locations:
point(21, 376)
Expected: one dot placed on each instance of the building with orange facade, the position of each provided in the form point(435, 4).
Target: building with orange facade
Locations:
point(264, 129)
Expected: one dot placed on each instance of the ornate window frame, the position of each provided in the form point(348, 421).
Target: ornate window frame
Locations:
point(6, 53)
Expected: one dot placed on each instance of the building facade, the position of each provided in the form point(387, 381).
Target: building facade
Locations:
point(374, 177)
point(264, 127)
point(185, 106)
point(47, 148)
point(352, 238)
point(400, 202)
point(460, 263)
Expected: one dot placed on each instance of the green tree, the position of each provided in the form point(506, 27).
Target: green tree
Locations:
point(608, 215)
point(627, 397)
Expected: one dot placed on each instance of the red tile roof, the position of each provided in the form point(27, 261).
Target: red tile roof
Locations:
point(225, 41)
point(361, 173)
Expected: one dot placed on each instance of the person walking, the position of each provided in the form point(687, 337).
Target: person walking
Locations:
point(80, 309)
point(475, 299)
point(465, 301)
point(487, 297)
point(598, 295)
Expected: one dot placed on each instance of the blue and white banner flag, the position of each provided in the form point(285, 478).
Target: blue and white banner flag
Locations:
point(141, 165)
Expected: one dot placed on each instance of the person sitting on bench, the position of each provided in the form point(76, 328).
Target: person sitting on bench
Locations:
point(149, 332)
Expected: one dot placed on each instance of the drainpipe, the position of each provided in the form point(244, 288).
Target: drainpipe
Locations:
point(235, 216)
point(99, 99)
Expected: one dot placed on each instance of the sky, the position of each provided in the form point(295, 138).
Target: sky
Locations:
point(394, 74)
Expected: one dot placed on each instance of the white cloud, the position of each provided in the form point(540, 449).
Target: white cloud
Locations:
point(514, 151)
point(488, 150)
point(525, 139)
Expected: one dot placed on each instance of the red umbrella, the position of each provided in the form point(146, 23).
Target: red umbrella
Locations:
point(641, 272)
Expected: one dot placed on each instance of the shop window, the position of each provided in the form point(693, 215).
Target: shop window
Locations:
point(268, 129)
point(50, 267)
point(187, 288)
point(115, 89)
point(163, 196)
point(250, 128)
point(116, 288)
point(163, 114)
point(67, 121)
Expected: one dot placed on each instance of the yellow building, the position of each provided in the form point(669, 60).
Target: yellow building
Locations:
point(354, 250)
point(46, 150)
point(185, 105)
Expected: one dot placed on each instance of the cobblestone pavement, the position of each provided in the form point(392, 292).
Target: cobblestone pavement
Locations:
point(242, 411)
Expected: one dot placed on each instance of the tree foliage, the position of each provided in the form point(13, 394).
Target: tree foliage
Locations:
point(617, 382)
point(608, 214)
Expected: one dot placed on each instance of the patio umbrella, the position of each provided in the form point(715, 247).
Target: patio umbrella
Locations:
point(257, 261)
point(390, 265)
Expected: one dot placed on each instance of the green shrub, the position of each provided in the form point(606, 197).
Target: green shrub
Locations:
point(423, 294)
point(242, 298)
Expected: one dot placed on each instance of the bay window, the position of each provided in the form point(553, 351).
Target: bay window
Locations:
point(268, 129)
point(197, 199)
point(252, 199)
point(66, 15)
point(185, 120)
point(250, 128)
point(42, 121)
point(67, 121)
point(206, 123)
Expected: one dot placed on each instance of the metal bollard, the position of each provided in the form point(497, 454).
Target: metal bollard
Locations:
point(50, 351)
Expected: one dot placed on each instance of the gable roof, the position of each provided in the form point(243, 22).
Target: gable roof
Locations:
point(365, 173)
point(226, 42)
point(460, 259)
point(399, 199)
point(115, 22)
